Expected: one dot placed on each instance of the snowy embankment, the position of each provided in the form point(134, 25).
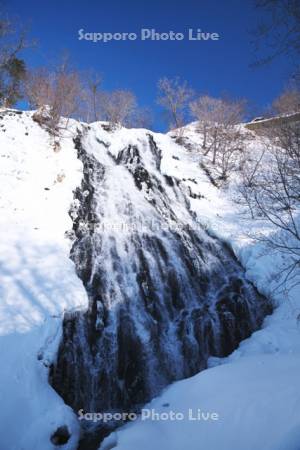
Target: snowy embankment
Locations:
point(254, 391)
point(37, 279)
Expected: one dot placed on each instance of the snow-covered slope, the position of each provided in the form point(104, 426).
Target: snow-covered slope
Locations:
point(255, 401)
point(37, 279)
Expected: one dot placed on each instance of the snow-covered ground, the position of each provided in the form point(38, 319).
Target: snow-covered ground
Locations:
point(255, 403)
point(254, 391)
point(37, 280)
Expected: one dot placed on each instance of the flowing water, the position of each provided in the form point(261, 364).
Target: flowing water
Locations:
point(163, 293)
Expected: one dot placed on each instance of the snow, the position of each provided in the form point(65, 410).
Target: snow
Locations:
point(254, 391)
point(255, 398)
point(37, 280)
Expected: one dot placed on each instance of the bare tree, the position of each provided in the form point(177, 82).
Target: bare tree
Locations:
point(67, 91)
point(231, 147)
point(279, 31)
point(217, 120)
point(287, 102)
point(142, 118)
point(118, 107)
point(281, 25)
point(91, 96)
point(206, 110)
point(39, 87)
point(56, 93)
point(62, 93)
point(174, 96)
point(272, 193)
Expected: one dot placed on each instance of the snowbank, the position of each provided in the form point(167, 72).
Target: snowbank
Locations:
point(256, 401)
point(37, 279)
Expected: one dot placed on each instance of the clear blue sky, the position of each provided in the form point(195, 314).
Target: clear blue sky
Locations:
point(214, 67)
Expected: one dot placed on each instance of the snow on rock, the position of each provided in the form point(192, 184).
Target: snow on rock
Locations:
point(37, 279)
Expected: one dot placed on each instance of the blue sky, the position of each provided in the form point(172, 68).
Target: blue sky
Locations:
point(213, 67)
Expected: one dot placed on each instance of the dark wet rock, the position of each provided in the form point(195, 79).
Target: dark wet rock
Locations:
point(61, 436)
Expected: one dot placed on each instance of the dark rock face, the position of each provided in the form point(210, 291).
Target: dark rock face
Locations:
point(61, 436)
point(161, 299)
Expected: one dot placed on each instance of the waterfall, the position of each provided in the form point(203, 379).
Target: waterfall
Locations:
point(164, 294)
